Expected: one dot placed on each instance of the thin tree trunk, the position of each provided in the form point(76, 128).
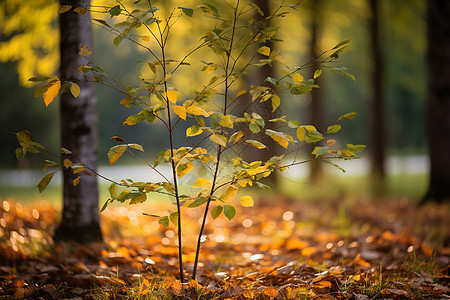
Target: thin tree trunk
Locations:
point(438, 100)
point(80, 218)
point(379, 126)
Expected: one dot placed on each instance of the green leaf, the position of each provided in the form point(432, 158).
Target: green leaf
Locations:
point(134, 119)
point(115, 153)
point(174, 218)
point(294, 124)
point(198, 202)
point(317, 73)
point(257, 9)
point(74, 89)
point(115, 10)
point(105, 205)
point(347, 116)
point(139, 198)
point(113, 190)
point(187, 11)
point(45, 181)
point(333, 128)
point(216, 211)
point(341, 44)
point(318, 151)
point(38, 79)
point(164, 221)
point(229, 211)
point(356, 148)
point(343, 71)
point(117, 40)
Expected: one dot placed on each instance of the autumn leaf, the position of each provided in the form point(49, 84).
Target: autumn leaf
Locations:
point(180, 111)
point(145, 288)
point(247, 201)
point(52, 92)
point(172, 96)
point(297, 78)
point(219, 139)
point(74, 89)
point(84, 50)
point(275, 102)
point(64, 8)
point(229, 194)
point(193, 131)
point(42, 185)
point(183, 169)
point(115, 153)
point(264, 50)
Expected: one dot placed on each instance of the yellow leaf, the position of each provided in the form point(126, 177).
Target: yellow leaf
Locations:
point(197, 111)
point(201, 182)
point(193, 131)
point(301, 131)
point(275, 102)
point(347, 153)
point(219, 139)
point(256, 144)
point(172, 96)
point(236, 136)
point(145, 38)
point(183, 169)
point(209, 68)
point(245, 182)
point(180, 111)
point(264, 50)
point(229, 194)
point(145, 287)
point(51, 92)
point(67, 163)
point(64, 8)
point(241, 93)
point(75, 89)
point(247, 201)
point(115, 153)
point(280, 140)
point(297, 78)
point(84, 50)
point(227, 122)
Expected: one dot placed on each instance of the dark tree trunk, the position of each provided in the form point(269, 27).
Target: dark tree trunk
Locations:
point(316, 110)
point(438, 100)
point(80, 218)
point(378, 128)
point(258, 77)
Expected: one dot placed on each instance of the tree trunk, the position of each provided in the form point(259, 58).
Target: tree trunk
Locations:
point(438, 100)
point(316, 110)
point(264, 109)
point(378, 135)
point(80, 218)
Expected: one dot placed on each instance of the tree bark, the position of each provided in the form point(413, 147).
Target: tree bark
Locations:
point(438, 100)
point(80, 218)
point(264, 109)
point(378, 128)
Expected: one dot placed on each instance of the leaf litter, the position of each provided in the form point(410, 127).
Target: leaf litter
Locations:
point(294, 250)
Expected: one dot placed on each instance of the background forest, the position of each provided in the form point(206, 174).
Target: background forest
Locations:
point(30, 50)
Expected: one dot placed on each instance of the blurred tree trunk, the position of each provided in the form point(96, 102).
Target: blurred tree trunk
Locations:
point(258, 77)
point(316, 109)
point(80, 218)
point(438, 100)
point(378, 128)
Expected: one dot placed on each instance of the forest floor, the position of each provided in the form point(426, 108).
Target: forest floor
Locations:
point(279, 249)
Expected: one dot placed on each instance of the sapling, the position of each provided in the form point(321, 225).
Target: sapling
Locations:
point(218, 108)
